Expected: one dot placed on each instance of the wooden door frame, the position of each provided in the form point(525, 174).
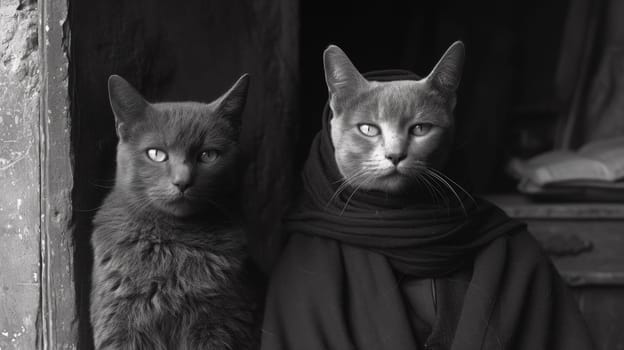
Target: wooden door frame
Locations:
point(58, 306)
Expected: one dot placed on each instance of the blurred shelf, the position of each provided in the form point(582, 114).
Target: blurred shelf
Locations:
point(600, 226)
point(519, 206)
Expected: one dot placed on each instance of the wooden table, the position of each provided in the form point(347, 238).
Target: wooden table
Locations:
point(586, 242)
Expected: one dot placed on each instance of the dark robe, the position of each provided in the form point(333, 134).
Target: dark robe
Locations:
point(339, 282)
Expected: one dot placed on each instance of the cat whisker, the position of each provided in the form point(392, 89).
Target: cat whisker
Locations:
point(87, 210)
point(448, 185)
point(338, 191)
point(367, 180)
point(363, 164)
point(420, 174)
point(422, 184)
point(102, 186)
point(455, 183)
point(348, 181)
point(354, 183)
point(433, 191)
point(138, 203)
point(440, 189)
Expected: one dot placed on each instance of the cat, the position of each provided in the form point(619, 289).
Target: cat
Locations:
point(171, 269)
point(391, 136)
point(374, 262)
point(396, 137)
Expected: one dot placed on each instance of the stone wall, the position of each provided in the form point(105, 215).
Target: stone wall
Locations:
point(20, 279)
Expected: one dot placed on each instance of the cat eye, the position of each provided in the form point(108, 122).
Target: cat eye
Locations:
point(369, 130)
point(420, 129)
point(156, 155)
point(208, 156)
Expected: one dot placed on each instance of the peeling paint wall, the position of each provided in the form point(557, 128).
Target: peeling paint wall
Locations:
point(19, 175)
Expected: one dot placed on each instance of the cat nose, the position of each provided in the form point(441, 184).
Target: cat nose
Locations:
point(182, 179)
point(396, 158)
point(181, 185)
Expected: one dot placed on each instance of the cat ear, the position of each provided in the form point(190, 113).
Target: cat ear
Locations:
point(126, 102)
point(446, 74)
point(342, 78)
point(232, 102)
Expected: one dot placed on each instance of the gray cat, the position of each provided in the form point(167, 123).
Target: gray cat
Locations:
point(374, 260)
point(171, 269)
point(391, 136)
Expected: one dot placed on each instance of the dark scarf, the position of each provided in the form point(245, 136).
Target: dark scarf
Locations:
point(336, 285)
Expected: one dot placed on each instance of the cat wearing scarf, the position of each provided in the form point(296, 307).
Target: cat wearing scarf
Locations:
point(170, 264)
point(385, 251)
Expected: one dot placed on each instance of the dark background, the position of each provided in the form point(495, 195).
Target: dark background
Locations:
point(507, 99)
point(515, 94)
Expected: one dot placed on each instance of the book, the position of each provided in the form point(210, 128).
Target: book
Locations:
point(595, 163)
point(582, 190)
